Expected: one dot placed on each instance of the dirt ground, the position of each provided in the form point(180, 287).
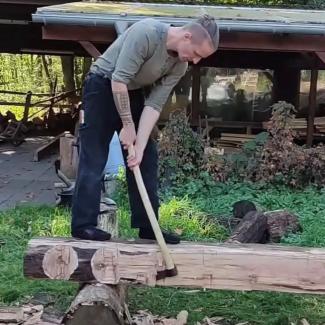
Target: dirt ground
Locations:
point(23, 181)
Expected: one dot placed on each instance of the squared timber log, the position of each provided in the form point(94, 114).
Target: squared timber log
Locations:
point(222, 266)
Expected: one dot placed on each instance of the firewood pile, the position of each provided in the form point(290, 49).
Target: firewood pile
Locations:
point(320, 124)
point(234, 139)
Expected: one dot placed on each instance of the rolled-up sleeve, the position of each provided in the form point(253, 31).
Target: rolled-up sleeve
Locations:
point(133, 53)
point(163, 87)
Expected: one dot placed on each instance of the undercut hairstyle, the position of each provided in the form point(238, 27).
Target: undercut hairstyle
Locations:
point(205, 27)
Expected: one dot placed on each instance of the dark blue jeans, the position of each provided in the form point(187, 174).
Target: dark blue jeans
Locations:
point(101, 121)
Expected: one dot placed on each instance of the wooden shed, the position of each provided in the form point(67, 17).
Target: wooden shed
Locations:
point(282, 41)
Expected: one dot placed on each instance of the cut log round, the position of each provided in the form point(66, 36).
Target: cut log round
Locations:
point(252, 229)
point(60, 262)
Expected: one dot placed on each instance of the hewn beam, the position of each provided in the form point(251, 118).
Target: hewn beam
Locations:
point(270, 42)
point(228, 41)
point(222, 266)
point(79, 33)
point(321, 56)
point(90, 48)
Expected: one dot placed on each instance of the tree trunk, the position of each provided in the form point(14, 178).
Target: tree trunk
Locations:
point(85, 67)
point(67, 63)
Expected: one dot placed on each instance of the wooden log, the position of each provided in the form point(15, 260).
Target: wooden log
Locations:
point(223, 266)
point(68, 155)
point(11, 315)
point(251, 229)
point(95, 303)
point(280, 223)
point(107, 219)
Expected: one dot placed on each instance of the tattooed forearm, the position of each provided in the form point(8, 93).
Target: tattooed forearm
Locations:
point(122, 103)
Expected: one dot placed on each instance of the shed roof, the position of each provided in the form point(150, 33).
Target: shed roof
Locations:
point(106, 13)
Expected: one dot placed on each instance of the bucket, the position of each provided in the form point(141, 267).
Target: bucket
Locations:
point(115, 157)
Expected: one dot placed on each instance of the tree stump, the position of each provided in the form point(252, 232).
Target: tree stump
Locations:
point(252, 229)
point(97, 303)
point(280, 223)
point(107, 219)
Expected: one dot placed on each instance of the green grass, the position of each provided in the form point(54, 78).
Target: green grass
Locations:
point(17, 226)
point(196, 217)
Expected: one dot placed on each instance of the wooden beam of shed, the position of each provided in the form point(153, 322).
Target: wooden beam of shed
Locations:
point(270, 42)
point(222, 266)
point(90, 48)
point(79, 33)
point(321, 55)
point(234, 41)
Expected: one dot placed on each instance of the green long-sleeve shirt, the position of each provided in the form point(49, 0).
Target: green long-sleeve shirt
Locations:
point(139, 58)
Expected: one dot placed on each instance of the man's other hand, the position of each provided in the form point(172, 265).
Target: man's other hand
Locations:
point(128, 135)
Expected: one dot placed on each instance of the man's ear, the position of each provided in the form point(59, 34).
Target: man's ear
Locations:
point(187, 35)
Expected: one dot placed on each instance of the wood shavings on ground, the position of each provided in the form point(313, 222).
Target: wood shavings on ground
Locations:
point(26, 315)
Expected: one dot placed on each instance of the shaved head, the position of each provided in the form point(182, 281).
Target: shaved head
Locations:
point(204, 28)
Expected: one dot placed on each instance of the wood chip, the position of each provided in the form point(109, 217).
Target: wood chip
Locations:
point(11, 314)
point(216, 319)
point(182, 317)
point(304, 322)
point(35, 319)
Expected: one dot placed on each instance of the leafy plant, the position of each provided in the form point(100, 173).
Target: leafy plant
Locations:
point(181, 151)
point(274, 157)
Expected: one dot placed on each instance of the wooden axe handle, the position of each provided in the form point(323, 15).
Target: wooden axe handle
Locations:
point(151, 214)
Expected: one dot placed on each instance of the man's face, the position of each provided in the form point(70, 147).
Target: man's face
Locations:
point(190, 51)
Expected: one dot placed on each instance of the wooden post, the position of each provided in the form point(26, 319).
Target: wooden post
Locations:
point(196, 85)
point(312, 106)
point(68, 155)
point(28, 101)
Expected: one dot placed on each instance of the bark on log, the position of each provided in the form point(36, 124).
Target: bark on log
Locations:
point(95, 303)
point(252, 229)
point(224, 266)
point(280, 223)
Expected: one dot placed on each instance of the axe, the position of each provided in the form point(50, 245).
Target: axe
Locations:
point(171, 269)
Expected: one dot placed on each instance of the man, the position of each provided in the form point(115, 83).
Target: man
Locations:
point(149, 53)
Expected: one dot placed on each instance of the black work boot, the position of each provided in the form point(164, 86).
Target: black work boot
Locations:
point(91, 233)
point(170, 238)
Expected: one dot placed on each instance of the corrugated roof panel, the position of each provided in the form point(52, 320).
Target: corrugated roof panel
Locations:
point(105, 8)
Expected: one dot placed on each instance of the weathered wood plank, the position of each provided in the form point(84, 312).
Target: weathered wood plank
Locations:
point(222, 266)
